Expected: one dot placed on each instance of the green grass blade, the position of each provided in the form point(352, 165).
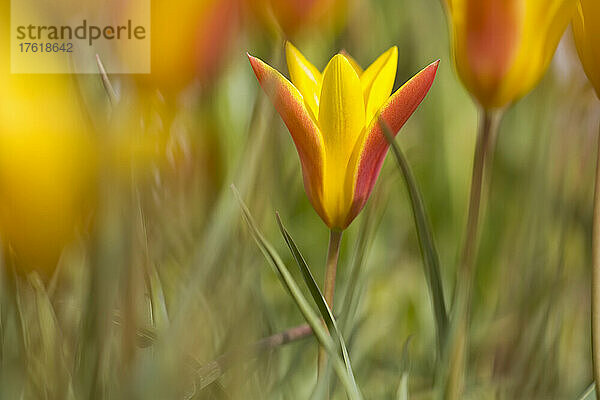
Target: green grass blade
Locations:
point(402, 393)
point(429, 252)
point(110, 91)
point(589, 394)
point(403, 387)
point(315, 291)
point(309, 314)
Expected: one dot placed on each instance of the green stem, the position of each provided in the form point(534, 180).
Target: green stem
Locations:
point(484, 148)
point(333, 252)
point(458, 345)
point(596, 277)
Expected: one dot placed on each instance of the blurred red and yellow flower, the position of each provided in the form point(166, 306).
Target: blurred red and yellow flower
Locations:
point(502, 48)
point(586, 29)
point(333, 118)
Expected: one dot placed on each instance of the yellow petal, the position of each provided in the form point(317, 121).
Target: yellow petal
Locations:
point(341, 120)
point(352, 61)
point(544, 24)
point(305, 77)
point(378, 80)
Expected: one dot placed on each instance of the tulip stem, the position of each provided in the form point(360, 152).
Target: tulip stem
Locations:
point(596, 277)
point(484, 148)
point(333, 252)
point(456, 352)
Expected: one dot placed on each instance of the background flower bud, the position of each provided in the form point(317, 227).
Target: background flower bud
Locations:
point(502, 48)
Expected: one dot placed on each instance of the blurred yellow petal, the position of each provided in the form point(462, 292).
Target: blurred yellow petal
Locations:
point(586, 29)
point(47, 168)
point(341, 120)
point(305, 77)
point(543, 26)
point(378, 80)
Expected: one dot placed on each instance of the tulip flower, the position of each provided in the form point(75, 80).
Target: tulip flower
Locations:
point(333, 118)
point(586, 30)
point(503, 47)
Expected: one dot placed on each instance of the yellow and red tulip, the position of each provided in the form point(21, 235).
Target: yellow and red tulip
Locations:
point(502, 48)
point(333, 118)
point(586, 29)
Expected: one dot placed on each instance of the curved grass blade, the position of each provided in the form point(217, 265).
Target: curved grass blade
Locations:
point(309, 314)
point(429, 252)
point(315, 291)
point(110, 91)
point(590, 393)
point(402, 393)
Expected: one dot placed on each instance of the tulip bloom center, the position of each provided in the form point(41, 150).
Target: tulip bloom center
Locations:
point(333, 118)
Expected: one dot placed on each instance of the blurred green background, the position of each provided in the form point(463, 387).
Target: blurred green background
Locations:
point(153, 274)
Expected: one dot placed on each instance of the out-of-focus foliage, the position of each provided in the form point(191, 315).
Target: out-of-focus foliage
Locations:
point(152, 286)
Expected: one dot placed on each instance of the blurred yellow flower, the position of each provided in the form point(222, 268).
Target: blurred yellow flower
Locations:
point(47, 166)
point(586, 29)
point(333, 119)
point(189, 41)
point(502, 48)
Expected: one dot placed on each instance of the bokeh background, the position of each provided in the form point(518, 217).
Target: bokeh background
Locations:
point(127, 268)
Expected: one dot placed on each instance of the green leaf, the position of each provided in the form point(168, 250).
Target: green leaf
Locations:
point(402, 393)
point(110, 91)
point(403, 387)
point(589, 394)
point(429, 252)
point(309, 314)
point(315, 291)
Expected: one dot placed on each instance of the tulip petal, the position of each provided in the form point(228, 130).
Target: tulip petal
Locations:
point(586, 30)
point(544, 22)
point(352, 61)
point(370, 154)
point(305, 133)
point(305, 77)
point(378, 80)
point(341, 120)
